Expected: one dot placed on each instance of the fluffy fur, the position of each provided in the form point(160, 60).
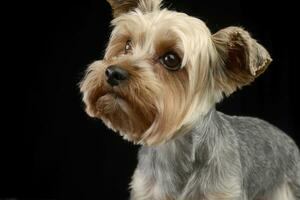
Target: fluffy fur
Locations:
point(190, 151)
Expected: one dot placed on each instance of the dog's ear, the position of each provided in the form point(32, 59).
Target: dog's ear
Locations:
point(241, 58)
point(123, 6)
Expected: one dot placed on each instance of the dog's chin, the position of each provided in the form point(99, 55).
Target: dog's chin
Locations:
point(106, 103)
point(121, 116)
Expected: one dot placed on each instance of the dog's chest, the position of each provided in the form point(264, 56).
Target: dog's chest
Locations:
point(167, 167)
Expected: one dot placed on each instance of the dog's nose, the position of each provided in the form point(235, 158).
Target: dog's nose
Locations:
point(115, 75)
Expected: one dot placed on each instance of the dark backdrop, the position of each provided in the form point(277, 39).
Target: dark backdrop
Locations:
point(52, 150)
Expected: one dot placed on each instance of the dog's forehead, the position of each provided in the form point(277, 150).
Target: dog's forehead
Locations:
point(159, 23)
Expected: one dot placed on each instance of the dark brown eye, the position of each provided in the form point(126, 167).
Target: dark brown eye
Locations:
point(171, 61)
point(128, 47)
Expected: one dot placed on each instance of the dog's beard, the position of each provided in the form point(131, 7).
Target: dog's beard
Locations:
point(124, 115)
point(128, 109)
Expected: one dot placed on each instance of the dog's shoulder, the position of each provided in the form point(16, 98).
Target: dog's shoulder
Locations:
point(259, 134)
point(252, 128)
point(246, 123)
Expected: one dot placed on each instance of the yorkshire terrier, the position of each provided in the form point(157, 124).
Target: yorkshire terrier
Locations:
point(157, 85)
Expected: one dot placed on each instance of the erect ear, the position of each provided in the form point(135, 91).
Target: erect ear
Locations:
point(242, 59)
point(123, 6)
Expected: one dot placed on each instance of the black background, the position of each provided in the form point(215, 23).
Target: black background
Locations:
point(53, 150)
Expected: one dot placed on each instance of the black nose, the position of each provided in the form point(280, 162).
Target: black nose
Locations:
point(115, 75)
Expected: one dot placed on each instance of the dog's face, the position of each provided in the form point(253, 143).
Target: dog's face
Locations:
point(163, 70)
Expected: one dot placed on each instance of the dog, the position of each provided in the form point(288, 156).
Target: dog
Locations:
point(162, 75)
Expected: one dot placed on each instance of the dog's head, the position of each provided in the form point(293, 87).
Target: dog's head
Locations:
point(163, 70)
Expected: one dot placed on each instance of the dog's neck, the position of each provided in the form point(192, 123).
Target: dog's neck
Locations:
point(205, 136)
point(173, 162)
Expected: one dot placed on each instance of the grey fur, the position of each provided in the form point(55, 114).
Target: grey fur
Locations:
point(253, 155)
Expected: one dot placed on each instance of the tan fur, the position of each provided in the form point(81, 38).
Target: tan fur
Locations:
point(103, 102)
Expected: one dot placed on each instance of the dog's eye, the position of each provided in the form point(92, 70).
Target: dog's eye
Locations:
point(128, 47)
point(171, 61)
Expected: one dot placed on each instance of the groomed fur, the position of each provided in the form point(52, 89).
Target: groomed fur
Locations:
point(191, 151)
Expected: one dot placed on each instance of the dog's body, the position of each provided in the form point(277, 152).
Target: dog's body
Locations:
point(161, 76)
point(223, 158)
